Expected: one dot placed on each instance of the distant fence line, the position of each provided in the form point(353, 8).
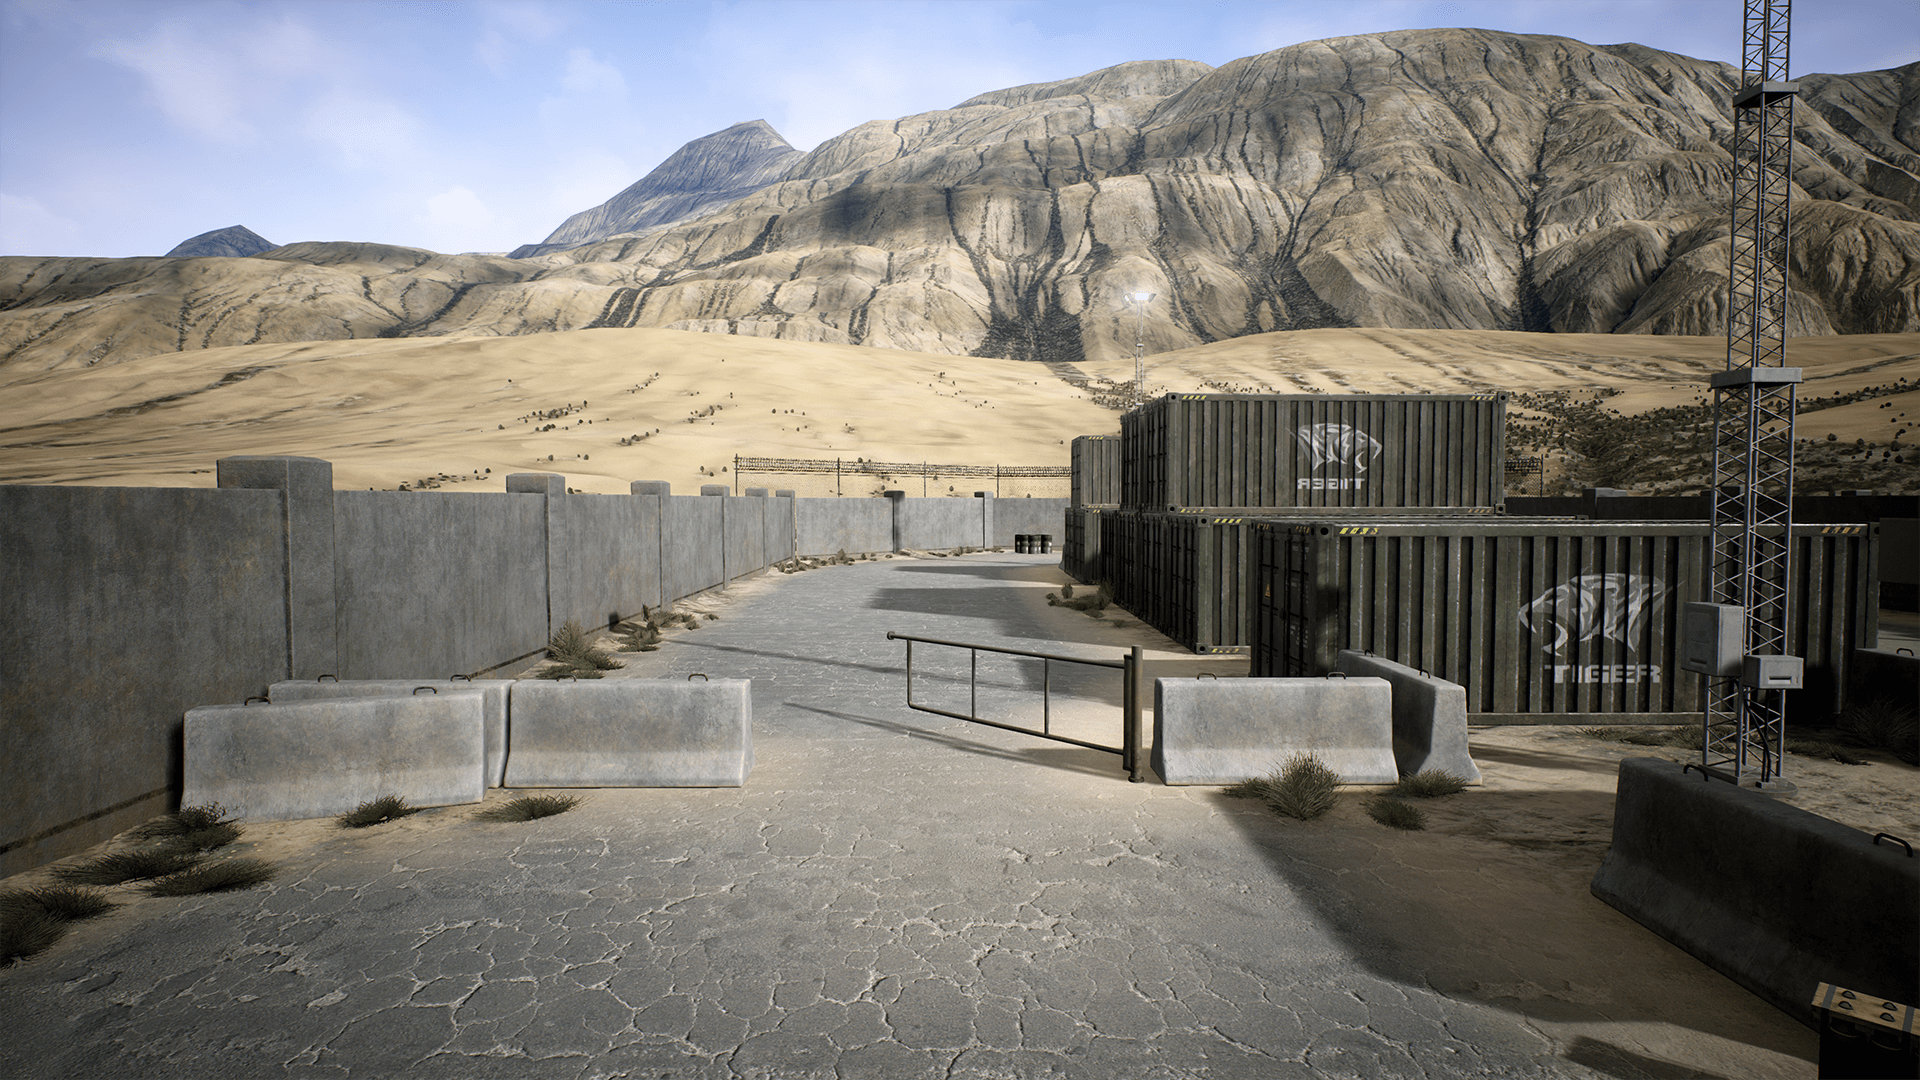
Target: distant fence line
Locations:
point(840, 467)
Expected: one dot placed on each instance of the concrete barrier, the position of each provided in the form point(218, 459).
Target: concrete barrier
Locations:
point(1771, 896)
point(308, 759)
point(631, 733)
point(1429, 716)
point(493, 693)
point(1222, 731)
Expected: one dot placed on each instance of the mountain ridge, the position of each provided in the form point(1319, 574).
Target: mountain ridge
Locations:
point(1466, 179)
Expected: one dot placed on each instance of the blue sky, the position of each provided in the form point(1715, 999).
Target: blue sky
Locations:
point(128, 127)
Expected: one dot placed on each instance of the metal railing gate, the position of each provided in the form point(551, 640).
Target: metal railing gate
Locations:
point(1130, 667)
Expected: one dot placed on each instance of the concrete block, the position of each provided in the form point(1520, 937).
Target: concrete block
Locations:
point(308, 759)
point(783, 493)
point(650, 487)
point(1223, 731)
point(1429, 716)
point(1771, 896)
point(715, 489)
point(756, 493)
point(631, 733)
point(493, 695)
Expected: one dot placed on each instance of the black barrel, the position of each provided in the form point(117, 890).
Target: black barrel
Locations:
point(1046, 543)
point(1019, 543)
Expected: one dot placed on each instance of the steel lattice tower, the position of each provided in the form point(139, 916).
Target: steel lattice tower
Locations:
point(1754, 408)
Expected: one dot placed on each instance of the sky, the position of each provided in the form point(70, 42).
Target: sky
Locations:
point(126, 128)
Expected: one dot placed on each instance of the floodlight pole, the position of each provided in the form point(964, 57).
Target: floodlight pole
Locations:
point(1141, 300)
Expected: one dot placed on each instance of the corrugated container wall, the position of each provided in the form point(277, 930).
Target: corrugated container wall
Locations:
point(1185, 575)
point(1314, 450)
point(1080, 551)
point(1096, 471)
point(1543, 621)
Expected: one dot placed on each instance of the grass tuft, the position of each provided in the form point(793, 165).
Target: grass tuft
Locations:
point(222, 876)
point(1303, 789)
point(376, 811)
point(220, 835)
point(572, 650)
point(529, 807)
point(1395, 814)
point(187, 819)
point(1687, 737)
point(1885, 723)
point(1428, 783)
point(121, 866)
point(26, 934)
point(1820, 748)
point(68, 903)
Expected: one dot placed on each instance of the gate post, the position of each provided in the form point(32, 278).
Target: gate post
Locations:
point(1133, 676)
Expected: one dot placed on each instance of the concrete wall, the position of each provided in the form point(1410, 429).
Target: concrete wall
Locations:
point(691, 559)
point(1012, 516)
point(120, 609)
point(123, 608)
point(929, 524)
point(432, 584)
point(826, 526)
point(615, 542)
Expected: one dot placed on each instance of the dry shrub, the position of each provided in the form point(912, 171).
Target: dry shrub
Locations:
point(1395, 814)
point(222, 876)
point(376, 811)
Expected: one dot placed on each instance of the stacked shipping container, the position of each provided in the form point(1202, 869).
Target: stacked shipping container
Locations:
point(1542, 620)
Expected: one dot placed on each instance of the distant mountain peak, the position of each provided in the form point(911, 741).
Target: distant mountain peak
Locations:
point(232, 242)
point(696, 179)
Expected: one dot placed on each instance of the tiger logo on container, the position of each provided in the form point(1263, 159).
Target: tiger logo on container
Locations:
point(1612, 607)
point(1349, 448)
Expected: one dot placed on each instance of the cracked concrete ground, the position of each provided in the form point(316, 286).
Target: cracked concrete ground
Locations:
point(893, 894)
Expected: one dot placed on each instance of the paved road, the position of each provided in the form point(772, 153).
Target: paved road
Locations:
point(891, 895)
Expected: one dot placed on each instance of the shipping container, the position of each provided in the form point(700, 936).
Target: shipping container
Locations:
point(1314, 450)
point(1543, 621)
point(1182, 574)
point(1096, 471)
point(1080, 551)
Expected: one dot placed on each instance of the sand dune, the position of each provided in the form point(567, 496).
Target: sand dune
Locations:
point(392, 411)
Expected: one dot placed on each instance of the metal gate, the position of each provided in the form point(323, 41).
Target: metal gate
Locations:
point(1129, 666)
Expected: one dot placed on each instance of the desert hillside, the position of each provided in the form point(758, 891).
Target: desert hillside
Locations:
point(459, 413)
point(1422, 179)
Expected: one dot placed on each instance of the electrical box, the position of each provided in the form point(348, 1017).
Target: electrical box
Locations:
point(1772, 672)
point(1713, 639)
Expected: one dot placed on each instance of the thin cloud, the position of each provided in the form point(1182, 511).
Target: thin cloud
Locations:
point(29, 228)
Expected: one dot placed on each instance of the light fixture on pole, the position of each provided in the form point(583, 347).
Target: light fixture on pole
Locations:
point(1142, 299)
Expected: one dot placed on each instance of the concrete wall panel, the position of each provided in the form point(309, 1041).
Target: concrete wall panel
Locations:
point(691, 544)
point(1011, 516)
point(930, 524)
point(746, 535)
point(433, 584)
point(120, 609)
point(827, 526)
point(615, 558)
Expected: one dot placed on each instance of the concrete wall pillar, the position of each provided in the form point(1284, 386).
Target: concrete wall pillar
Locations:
point(986, 517)
point(721, 491)
point(663, 533)
point(313, 644)
point(898, 504)
point(559, 566)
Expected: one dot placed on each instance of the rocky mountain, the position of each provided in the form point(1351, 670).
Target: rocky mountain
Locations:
point(702, 176)
point(232, 242)
point(1420, 179)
